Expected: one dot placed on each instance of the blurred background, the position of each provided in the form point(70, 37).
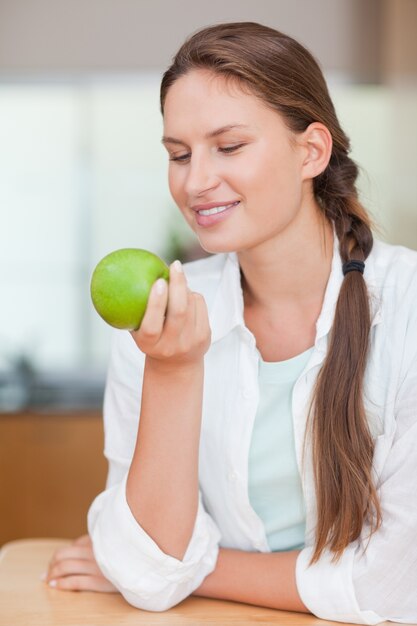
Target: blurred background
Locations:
point(82, 172)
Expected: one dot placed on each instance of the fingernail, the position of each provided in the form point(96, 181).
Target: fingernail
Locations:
point(52, 583)
point(160, 286)
point(177, 266)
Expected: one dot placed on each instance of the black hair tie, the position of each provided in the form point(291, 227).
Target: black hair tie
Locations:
point(353, 266)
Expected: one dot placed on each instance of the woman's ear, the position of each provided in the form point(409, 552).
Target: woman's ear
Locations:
point(317, 143)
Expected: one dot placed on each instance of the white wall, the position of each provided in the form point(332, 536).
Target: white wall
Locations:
point(127, 35)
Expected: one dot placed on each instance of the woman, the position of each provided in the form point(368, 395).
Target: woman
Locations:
point(276, 381)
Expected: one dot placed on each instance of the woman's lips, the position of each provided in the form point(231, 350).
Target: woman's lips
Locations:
point(210, 220)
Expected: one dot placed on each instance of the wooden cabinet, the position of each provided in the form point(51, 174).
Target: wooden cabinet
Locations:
point(51, 468)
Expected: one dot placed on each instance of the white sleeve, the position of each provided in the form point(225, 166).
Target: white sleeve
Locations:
point(380, 584)
point(147, 577)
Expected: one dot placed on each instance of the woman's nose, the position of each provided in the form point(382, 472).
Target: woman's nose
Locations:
point(201, 176)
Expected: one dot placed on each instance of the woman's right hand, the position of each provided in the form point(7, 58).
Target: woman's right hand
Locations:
point(175, 329)
point(74, 568)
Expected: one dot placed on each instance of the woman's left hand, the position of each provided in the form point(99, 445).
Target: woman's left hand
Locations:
point(74, 568)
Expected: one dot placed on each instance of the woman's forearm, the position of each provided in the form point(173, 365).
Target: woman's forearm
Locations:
point(263, 579)
point(162, 485)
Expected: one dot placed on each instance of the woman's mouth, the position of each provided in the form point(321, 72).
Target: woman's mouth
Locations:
point(208, 217)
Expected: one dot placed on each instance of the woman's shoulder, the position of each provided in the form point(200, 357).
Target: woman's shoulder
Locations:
point(394, 283)
point(388, 251)
point(394, 266)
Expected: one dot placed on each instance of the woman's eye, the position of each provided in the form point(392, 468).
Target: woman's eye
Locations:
point(181, 158)
point(231, 148)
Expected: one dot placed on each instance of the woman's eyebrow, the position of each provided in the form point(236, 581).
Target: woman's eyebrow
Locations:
point(209, 135)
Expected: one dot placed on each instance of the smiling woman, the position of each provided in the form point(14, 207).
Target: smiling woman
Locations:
point(277, 419)
point(241, 162)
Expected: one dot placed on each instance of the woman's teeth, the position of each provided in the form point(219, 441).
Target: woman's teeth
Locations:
point(217, 209)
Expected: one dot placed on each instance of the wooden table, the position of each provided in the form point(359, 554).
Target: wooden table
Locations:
point(27, 601)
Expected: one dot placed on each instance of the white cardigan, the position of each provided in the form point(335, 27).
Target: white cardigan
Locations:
point(361, 588)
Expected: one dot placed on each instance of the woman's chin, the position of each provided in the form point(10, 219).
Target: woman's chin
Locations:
point(220, 249)
point(222, 245)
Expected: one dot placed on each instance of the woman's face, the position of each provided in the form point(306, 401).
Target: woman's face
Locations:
point(235, 170)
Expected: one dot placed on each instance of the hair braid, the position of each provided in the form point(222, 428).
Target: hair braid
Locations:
point(342, 443)
point(336, 190)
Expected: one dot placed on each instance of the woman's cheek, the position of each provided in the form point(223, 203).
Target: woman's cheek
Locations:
point(172, 183)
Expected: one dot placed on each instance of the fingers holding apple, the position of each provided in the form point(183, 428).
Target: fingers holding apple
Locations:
point(153, 320)
point(175, 328)
point(134, 289)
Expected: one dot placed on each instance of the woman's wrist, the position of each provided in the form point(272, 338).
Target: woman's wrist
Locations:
point(178, 368)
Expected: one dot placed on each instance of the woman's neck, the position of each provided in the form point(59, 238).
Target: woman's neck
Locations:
point(294, 267)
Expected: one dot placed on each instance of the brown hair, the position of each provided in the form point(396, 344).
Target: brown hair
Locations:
point(280, 71)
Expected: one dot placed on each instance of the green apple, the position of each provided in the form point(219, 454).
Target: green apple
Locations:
point(121, 283)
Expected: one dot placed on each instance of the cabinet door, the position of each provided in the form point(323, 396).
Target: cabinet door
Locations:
point(51, 468)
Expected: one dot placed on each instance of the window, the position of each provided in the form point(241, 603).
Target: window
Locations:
point(83, 173)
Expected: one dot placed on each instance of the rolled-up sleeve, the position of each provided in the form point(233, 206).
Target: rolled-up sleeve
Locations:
point(147, 577)
point(380, 583)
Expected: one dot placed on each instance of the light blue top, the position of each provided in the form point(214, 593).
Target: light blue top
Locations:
point(274, 482)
